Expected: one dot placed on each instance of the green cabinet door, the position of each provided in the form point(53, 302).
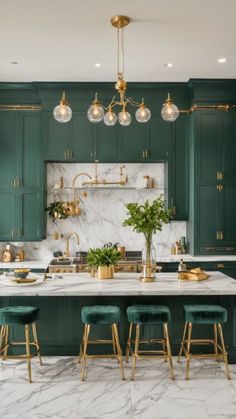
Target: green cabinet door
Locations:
point(30, 215)
point(107, 143)
point(9, 155)
point(82, 145)
point(8, 218)
point(178, 169)
point(134, 142)
point(30, 145)
point(228, 211)
point(56, 138)
point(209, 139)
point(159, 141)
point(208, 217)
point(228, 166)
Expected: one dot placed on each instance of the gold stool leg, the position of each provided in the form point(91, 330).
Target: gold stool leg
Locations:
point(182, 343)
point(6, 332)
point(113, 341)
point(81, 346)
point(169, 355)
point(188, 355)
point(84, 353)
point(35, 335)
point(1, 338)
point(119, 352)
point(215, 341)
point(28, 356)
point(224, 351)
point(135, 350)
point(128, 346)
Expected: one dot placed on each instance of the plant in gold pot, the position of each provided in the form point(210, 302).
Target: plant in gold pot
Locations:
point(104, 260)
point(148, 218)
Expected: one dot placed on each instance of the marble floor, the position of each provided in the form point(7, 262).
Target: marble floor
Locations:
point(57, 391)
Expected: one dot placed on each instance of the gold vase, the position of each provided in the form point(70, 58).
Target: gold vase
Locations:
point(105, 272)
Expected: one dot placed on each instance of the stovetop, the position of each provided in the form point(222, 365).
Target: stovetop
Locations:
point(81, 258)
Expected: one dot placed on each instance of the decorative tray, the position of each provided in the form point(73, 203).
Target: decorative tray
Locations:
point(193, 275)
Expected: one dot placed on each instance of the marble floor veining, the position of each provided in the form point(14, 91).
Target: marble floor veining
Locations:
point(57, 391)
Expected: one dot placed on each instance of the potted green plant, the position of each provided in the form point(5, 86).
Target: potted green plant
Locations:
point(104, 260)
point(58, 210)
point(148, 218)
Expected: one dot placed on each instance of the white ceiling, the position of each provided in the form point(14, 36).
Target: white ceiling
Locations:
point(61, 40)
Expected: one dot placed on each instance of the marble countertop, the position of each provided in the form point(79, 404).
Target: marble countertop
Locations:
point(82, 284)
point(31, 264)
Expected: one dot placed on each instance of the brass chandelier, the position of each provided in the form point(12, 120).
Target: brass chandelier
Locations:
point(97, 112)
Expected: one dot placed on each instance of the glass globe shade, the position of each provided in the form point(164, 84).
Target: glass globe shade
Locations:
point(143, 114)
point(169, 112)
point(110, 118)
point(62, 113)
point(95, 113)
point(124, 118)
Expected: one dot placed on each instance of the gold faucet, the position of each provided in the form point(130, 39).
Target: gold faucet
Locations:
point(67, 252)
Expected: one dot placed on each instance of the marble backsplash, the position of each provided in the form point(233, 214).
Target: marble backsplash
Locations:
point(103, 210)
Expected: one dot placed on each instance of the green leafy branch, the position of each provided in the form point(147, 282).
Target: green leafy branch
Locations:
point(103, 256)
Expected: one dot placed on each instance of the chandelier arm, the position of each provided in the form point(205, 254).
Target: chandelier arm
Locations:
point(132, 102)
point(223, 107)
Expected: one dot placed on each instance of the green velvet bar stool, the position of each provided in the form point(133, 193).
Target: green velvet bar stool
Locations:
point(204, 314)
point(100, 315)
point(19, 316)
point(148, 315)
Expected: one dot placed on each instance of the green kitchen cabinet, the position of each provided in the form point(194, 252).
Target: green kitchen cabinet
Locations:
point(211, 228)
point(228, 166)
point(30, 215)
point(56, 138)
point(20, 159)
point(107, 143)
point(82, 140)
point(21, 176)
point(159, 139)
point(134, 142)
point(10, 150)
point(72, 141)
point(8, 218)
point(22, 215)
point(178, 180)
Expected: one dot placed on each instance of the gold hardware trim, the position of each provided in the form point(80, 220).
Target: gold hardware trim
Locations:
point(14, 183)
point(120, 21)
point(219, 187)
point(20, 107)
point(12, 233)
point(220, 265)
point(220, 175)
point(222, 107)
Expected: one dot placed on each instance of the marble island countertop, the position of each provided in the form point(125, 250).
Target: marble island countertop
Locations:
point(82, 284)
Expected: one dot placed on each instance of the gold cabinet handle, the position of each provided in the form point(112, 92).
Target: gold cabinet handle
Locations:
point(219, 187)
point(14, 183)
point(217, 235)
point(221, 235)
point(17, 182)
point(12, 233)
point(220, 265)
point(143, 154)
point(220, 175)
point(71, 154)
point(65, 154)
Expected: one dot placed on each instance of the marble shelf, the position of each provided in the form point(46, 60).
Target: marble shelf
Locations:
point(81, 284)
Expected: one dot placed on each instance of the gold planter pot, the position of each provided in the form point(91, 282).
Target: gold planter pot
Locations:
point(105, 272)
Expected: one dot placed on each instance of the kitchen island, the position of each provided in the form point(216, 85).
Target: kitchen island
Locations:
point(61, 298)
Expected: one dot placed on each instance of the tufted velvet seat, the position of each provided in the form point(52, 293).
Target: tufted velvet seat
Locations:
point(100, 314)
point(148, 314)
point(205, 314)
point(18, 315)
